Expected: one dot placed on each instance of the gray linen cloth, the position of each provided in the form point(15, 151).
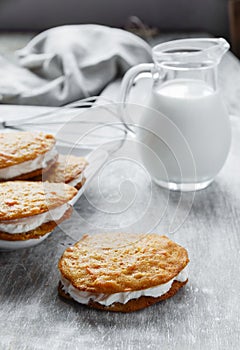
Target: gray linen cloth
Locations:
point(69, 63)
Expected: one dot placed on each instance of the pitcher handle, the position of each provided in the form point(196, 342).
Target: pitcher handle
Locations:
point(127, 83)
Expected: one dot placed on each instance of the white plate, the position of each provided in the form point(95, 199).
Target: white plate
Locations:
point(15, 245)
point(94, 127)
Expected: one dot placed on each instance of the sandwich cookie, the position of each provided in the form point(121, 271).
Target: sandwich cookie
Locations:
point(31, 210)
point(68, 169)
point(24, 155)
point(122, 272)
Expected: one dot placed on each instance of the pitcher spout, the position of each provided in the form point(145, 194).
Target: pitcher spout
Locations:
point(218, 49)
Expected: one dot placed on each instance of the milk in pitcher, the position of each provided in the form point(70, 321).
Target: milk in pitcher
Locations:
point(190, 142)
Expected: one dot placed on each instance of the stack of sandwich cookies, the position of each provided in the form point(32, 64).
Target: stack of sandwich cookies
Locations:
point(30, 210)
point(68, 169)
point(135, 271)
point(24, 155)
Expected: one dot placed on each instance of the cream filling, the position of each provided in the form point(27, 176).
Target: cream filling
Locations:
point(76, 181)
point(29, 223)
point(123, 297)
point(40, 162)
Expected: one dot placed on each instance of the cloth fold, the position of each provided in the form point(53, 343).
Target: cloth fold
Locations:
point(67, 63)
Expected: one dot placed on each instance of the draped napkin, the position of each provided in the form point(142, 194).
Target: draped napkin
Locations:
point(68, 63)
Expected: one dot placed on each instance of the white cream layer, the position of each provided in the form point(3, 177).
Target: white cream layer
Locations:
point(31, 222)
point(40, 162)
point(123, 297)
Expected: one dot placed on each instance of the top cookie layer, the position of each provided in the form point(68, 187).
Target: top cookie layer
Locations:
point(112, 263)
point(19, 199)
point(18, 147)
point(66, 169)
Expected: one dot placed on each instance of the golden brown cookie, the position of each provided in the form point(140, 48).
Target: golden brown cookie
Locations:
point(24, 153)
point(122, 272)
point(80, 184)
point(68, 169)
point(21, 199)
point(32, 209)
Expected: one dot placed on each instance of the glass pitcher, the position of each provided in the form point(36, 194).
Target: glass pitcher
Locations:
point(185, 127)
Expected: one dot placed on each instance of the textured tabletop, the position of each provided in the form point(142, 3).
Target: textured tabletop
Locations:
point(203, 315)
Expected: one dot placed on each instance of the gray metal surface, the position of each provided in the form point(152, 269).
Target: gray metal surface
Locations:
point(203, 315)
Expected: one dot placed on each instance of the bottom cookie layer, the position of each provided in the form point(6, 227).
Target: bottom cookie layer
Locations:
point(80, 184)
point(37, 232)
point(131, 305)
